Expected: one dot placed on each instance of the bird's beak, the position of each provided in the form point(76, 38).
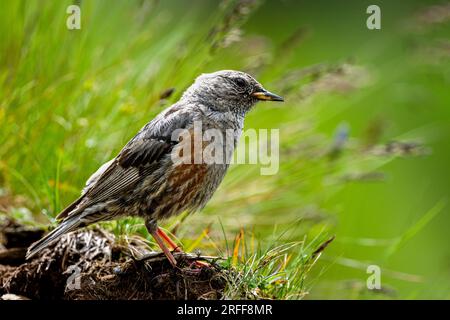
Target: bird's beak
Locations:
point(266, 95)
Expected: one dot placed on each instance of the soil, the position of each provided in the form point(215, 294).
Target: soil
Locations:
point(92, 264)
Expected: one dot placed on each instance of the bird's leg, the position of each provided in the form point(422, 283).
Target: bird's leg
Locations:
point(152, 228)
point(175, 247)
point(168, 240)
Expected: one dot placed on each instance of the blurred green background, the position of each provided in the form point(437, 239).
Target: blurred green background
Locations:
point(364, 130)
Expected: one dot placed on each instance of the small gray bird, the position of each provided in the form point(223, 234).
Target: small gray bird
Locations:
point(146, 179)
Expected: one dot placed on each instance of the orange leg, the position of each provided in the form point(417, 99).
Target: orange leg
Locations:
point(164, 248)
point(176, 248)
point(169, 241)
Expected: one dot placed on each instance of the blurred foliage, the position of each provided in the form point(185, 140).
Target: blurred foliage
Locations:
point(364, 130)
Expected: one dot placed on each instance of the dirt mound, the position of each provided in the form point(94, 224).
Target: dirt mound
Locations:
point(91, 264)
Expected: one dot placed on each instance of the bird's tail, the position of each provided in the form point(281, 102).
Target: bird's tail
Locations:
point(68, 225)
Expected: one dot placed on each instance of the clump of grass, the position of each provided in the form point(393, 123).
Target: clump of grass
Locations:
point(279, 272)
point(278, 269)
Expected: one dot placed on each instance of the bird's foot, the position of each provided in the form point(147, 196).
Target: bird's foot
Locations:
point(198, 264)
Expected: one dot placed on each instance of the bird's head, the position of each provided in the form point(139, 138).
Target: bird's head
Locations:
point(229, 91)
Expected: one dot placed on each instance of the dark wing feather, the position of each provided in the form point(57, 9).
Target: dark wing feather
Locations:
point(143, 151)
point(130, 166)
point(63, 214)
point(134, 162)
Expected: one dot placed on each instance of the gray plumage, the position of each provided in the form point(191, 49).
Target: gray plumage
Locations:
point(143, 181)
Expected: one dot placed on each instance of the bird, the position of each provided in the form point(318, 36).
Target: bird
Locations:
point(156, 174)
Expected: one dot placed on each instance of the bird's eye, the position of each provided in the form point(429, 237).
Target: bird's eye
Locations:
point(240, 82)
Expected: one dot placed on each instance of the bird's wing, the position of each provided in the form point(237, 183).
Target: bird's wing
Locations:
point(135, 161)
point(94, 178)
